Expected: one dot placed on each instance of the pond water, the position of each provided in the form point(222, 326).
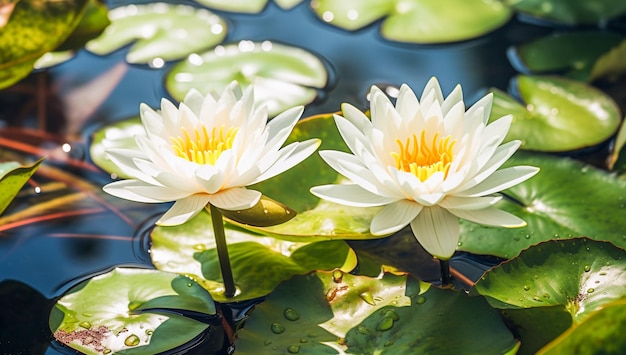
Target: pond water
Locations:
point(41, 260)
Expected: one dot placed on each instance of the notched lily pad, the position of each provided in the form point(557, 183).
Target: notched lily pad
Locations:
point(131, 311)
point(283, 76)
point(591, 274)
point(258, 263)
point(557, 114)
point(570, 12)
point(417, 21)
point(330, 313)
point(565, 199)
point(574, 54)
point(13, 176)
point(161, 32)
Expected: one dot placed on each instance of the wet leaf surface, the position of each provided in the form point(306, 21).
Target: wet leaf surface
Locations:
point(570, 12)
point(591, 274)
point(13, 177)
point(556, 114)
point(131, 311)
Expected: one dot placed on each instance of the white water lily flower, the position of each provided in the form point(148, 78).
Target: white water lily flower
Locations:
point(428, 162)
point(205, 152)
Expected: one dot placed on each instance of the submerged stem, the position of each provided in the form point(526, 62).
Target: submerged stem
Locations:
point(222, 251)
point(446, 276)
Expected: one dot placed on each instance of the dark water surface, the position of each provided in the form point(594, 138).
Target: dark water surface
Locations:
point(40, 261)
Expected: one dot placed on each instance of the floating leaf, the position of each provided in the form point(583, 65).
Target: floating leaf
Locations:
point(12, 179)
point(417, 21)
point(557, 114)
point(616, 157)
point(34, 28)
point(283, 76)
point(566, 198)
point(590, 275)
point(572, 53)
point(340, 314)
point(601, 332)
point(160, 31)
point(258, 263)
point(131, 310)
point(570, 12)
point(92, 23)
point(611, 65)
point(246, 6)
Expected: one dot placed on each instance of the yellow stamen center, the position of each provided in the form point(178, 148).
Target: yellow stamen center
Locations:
point(418, 157)
point(204, 147)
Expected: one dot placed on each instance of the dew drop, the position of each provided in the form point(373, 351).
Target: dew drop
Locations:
point(368, 298)
point(106, 351)
point(362, 330)
point(304, 340)
point(277, 328)
point(199, 247)
point(537, 299)
point(293, 349)
point(291, 314)
point(85, 325)
point(420, 300)
point(587, 268)
point(132, 340)
point(546, 296)
point(603, 273)
point(391, 314)
point(591, 290)
point(337, 276)
point(459, 244)
point(149, 332)
point(527, 236)
point(385, 324)
point(526, 287)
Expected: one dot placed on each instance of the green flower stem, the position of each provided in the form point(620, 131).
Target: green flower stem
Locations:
point(446, 277)
point(222, 251)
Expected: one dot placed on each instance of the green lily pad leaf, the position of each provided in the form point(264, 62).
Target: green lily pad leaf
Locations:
point(611, 65)
point(13, 176)
point(245, 6)
point(266, 212)
point(120, 134)
point(572, 53)
point(258, 263)
point(325, 314)
point(557, 114)
point(35, 28)
point(590, 275)
point(130, 311)
point(161, 32)
point(570, 12)
point(417, 21)
point(566, 198)
point(283, 76)
point(601, 332)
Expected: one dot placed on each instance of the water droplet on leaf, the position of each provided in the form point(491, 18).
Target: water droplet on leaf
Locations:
point(85, 325)
point(368, 298)
point(420, 300)
point(526, 287)
point(587, 268)
point(590, 290)
point(132, 340)
point(385, 324)
point(291, 314)
point(277, 328)
point(294, 349)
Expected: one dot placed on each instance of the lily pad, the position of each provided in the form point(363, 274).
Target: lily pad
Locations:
point(570, 12)
point(131, 311)
point(617, 157)
point(573, 54)
point(565, 199)
point(94, 20)
point(417, 21)
point(246, 6)
point(161, 32)
point(601, 332)
point(13, 176)
point(591, 274)
point(557, 114)
point(35, 28)
point(258, 263)
point(283, 76)
point(326, 313)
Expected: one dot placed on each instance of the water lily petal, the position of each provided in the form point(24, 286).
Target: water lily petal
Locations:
point(394, 217)
point(357, 118)
point(501, 180)
point(183, 210)
point(194, 100)
point(490, 216)
point(237, 198)
point(482, 107)
point(454, 99)
point(301, 151)
point(502, 154)
point(135, 190)
point(437, 231)
point(469, 203)
point(350, 195)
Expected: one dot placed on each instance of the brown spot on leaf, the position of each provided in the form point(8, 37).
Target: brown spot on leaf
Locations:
point(92, 337)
